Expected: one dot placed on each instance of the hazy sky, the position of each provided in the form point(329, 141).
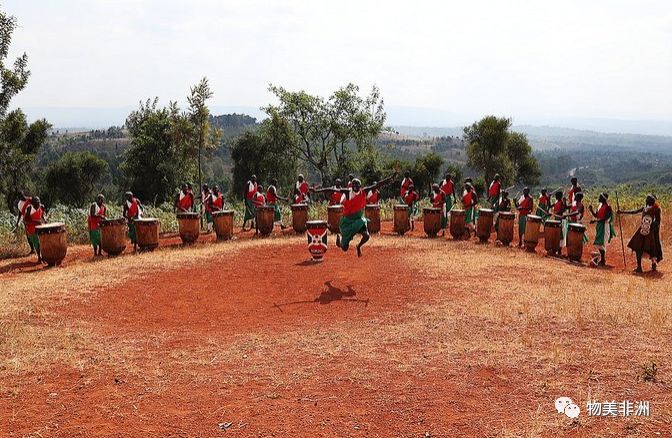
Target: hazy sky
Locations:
point(530, 60)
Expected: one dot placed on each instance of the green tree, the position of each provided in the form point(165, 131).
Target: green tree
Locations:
point(265, 153)
point(19, 141)
point(493, 148)
point(329, 132)
point(73, 178)
point(158, 159)
point(206, 137)
point(431, 163)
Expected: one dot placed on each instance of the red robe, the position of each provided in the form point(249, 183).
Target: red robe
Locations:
point(354, 202)
point(94, 221)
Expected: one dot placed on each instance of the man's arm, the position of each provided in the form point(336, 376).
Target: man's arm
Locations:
point(380, 183)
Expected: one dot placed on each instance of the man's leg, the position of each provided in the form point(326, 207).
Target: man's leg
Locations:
point(639, 262)
point(365, 238)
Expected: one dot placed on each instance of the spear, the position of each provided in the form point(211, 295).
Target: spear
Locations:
point(620, 230)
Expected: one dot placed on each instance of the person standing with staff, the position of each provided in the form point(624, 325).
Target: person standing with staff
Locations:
point(646, 240)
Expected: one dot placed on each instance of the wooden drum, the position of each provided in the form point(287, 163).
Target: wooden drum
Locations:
point(53, 242)
point(334, 214)
point(505, 227)
point(401, 219)
point(190, 226)
point(484, 224)
point(113, 236)
point(531, 236)
point(372, 213)
point(265, 216)
point(299, 217)
point(552, 231)
point(223, 221)
point(575, 241)
point(147, 232)
point(457, 228)
point(431, 219)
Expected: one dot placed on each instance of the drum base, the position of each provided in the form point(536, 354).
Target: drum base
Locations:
point(147, 247)
point(531, 247)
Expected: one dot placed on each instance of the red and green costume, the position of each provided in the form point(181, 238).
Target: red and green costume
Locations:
point(272, 200)
point(93, 222)
point(604, 227)
point(469, 206)
point(493, 194)
point(525, 206)
point(250, 193)
point(543, 207)
point(448, 188)
point(353, 220)
point(439, 201)
point(32, 219)
point(132, 213)
point(411, 198)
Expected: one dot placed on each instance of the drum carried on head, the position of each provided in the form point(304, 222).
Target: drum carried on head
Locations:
point(552, 233)
point(372, 213)
point(189, 225)
point(531, 236)
point(575, 241)
point(299, 217)
point(457, 220)
point(431, 219)
point(223, 221)
point(505, 227)
point(317, 239)
point(334, 214)
point(147, 231)
point(113, 236)
point(484, 224)
point(265, 216)
point(401, 219)
point(53, 242)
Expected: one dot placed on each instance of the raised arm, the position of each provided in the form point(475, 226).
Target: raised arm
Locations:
point(381, 182)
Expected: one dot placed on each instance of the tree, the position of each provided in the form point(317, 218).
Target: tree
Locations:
point(205, 137)
point(73, 178)
point(431, 164)
point(19, 141)
point(158, 159)
point(493, 148)
point(264, 153)
point(329, 132)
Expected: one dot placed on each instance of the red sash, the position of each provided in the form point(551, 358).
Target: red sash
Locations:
point(35, 219)
point(217, 202)
point(133, 209)
point(372, 197)
point(525, 206)
point(94, 221)
point(467, 200)
point(251, 190)
point(405, 184)
point(410, 197)
point(335, 198)
point(447, 187)
point(271, 197)
point(355, 202)
point(438, 199)
point(493, 191)
point(186, 202)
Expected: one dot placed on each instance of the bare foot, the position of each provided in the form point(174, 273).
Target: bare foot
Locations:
point(359, 251)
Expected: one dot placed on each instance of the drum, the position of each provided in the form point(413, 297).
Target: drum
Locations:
point(334, 214)
point(53, 242)
point(317, 239)
point(401, 219)
point(147, 232)
point(575, 241)
point(223, 221)
point(299, 217)
point(552, 232)
point(457, 228)
point(113, 236)
point(265, 216)
point(431, 219)
point(190, 226)
point(531, 236)
point(372, 213)
point(484, 224)
point(505, 227)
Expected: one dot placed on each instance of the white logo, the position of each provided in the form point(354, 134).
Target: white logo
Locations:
point(646, 225)
point(565, 405)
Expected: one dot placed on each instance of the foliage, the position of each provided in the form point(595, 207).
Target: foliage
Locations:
point(493, 148)
point(19, 141)
point(327, 132)
point(206, 137)
point(264, 153)
point(158, 159)
point(74, 177)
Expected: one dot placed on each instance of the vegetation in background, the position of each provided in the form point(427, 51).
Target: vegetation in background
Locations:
point(206, 137)
point(493, 148)
point(73, 178)
point(19, 141)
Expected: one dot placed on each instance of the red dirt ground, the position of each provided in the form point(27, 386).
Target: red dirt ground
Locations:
point(168, 314)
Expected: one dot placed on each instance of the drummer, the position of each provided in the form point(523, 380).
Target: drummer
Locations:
point(544, 205)
point(576, 212)
point(373, 195)
point(33, 217)
point(336, 197)
point(438, 200)
point(494, 192)
point(604, 226)
point(213, 203)
point(303, 188)
point(96, 215)
point(184, 200)
point(272, 197)
point(573, 190)
point(448, 189)
point(524, 205)
point(350, 178)
point(132, 210)
point(504, 205)
point(558, 213)
point(469, 201)
point(353, 220)
point(250, 211)
point(411, 198)
point(405, 184)
point(23, 204)
point(646, 239)
point(259, 200)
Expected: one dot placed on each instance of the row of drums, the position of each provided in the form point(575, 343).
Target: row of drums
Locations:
point(552, 230)
point(53, 240)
